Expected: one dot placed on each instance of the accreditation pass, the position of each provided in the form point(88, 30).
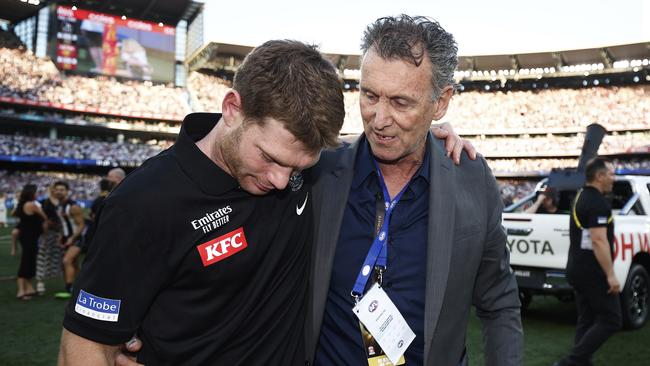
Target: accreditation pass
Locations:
point(382, 319)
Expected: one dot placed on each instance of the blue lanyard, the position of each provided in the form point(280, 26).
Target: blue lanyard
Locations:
point(378, 253)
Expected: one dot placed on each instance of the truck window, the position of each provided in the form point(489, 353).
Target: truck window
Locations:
point(621, 195)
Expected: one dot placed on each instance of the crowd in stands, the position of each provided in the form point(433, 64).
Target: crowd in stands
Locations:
point(557, 145)
point(615, 108)
point(481, 116)
point(91, 119)
point(25, 76)
point(555, 110)
point(543, 166)
point(127, 153)
point(82, 186)
point(207, 91)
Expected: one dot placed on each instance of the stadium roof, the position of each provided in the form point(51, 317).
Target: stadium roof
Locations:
point(167, 11)
point(217, 56)
point(605, 55)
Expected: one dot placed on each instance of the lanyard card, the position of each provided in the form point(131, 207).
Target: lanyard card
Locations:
point(374, 353)
point(386, 324)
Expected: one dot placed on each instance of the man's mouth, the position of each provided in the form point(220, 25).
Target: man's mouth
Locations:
point(384, 138)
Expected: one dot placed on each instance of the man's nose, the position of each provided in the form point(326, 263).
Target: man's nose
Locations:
point(383, 114)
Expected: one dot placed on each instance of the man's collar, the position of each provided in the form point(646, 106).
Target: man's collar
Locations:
point(364, 165)
point(200, 168)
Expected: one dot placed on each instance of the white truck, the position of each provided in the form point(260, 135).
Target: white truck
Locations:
point(539, 246)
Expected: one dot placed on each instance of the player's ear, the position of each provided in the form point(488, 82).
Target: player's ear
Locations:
point(231, 108)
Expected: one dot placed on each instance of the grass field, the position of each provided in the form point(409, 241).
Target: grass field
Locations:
point(30, 330)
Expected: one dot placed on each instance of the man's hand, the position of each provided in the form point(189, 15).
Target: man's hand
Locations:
point(614, 285)
point(132, 346)
point(454, 144)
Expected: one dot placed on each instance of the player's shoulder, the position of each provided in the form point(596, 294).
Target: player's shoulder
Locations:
point(155, 179)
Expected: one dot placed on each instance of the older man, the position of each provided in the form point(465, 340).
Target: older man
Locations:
point(396, 220)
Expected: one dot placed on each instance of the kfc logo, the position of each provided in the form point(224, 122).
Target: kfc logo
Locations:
point(222, 247)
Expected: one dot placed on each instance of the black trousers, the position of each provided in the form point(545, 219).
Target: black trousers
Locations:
point(599, 316)
point(29, 244)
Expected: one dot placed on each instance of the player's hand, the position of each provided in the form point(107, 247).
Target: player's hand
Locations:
point(124, 358)
point(614, 285)
point(13, 251)
point(454, 144)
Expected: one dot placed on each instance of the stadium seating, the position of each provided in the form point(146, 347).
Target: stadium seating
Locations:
point(521, 133)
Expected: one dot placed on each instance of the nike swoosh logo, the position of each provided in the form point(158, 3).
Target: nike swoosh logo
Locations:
point(299, 209)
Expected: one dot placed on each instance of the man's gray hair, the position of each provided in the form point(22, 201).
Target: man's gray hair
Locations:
point(410, 38)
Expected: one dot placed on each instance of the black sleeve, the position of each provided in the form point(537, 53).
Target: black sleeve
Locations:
point(122, 273)
point(598, 213)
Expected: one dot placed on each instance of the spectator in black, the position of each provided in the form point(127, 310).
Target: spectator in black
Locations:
point(31, 217)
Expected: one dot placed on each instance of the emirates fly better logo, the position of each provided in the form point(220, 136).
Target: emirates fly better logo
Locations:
point(222, 247)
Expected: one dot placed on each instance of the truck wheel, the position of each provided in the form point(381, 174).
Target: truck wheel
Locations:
point(634, 298)
point(525, 297)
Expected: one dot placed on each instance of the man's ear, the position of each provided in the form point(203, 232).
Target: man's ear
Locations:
point(231, 108)
point(443, 102)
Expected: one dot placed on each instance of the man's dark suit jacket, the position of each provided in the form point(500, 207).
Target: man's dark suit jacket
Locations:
point(467, 259)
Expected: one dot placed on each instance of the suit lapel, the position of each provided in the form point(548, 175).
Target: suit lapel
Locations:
point(439, 239)
point(333, 188)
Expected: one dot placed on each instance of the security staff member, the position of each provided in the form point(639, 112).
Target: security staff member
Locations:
point(589, 268)
point(202, 251)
